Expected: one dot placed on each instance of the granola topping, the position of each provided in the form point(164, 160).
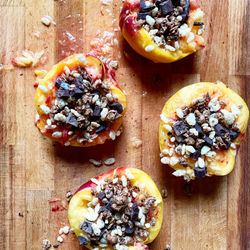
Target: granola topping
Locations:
point(83, 107)
point(166, 22)
point(198, 132)
point(120, 214)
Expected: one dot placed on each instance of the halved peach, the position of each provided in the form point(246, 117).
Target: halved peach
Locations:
point(96, 69)
point(224, 161)
point(78, 207)
point(139, 38)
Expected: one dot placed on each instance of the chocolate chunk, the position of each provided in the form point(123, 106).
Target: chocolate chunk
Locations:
point(76, 92)
point(142, 4)
point(93, 244)
point(185, 12)
point(116, 106)
point(200, 172)
point(71, 120)
point(101, 128)
point(208, 141)
point(234, 134)
point(130, 230)
point(198, 128)
point(179, 128)
point(147, 9)
point(220, 130)
point(78, 82)
point(198, 23)
point(107, 207)
point(179, 139)
point(56, 245)
point(103, 230)
point(101, 195)
point(166, 7)
point(142, 16)
point(86, 226)
point(196, 154)
point(134, 212)
point(64, 85)
point(96, 112)
point(58, 83)
point(62, 94)
point(158, 2)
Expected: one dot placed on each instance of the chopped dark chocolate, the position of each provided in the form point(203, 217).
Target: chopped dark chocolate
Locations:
point(220, 130)
point(62, 94)
point(198, 128)
point(180, 128)
point(185, 12)
point(101, 128)
point(64, 85)
point(116, 106)
point(196, 154)
point(198, 23)
point(61, 84)
point(107, 207)
point(147, 9)
point(208, 141)
point(142, 16)
point(158, 2)
point(93, 244)
point(101, 195)
point(86, 226)
point(142, 4)
point(134, 212)
point(71, 119)
point(130, 229)
point(234, 134)
point(96, 112)
point(200, 172)
point(76, 92)
point(166, 7)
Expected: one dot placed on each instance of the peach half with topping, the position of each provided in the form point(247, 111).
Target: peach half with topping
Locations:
point(163, 31)
point(201, 129)
point(79, 102)
point(120, 209)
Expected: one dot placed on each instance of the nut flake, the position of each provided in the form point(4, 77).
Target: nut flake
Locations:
point(46, 20)
point(214, 105)
point(109, 161)
point(95, 162)
point(173, 161)
point(46, 244)
point(191, 119)
point(60, 239)
point(45, 109)
point(43, 89)
point(149, 48)
point(179, 172)
point(179, 113)
point(112, 135)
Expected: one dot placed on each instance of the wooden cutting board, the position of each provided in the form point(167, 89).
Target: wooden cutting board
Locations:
point(205, 214)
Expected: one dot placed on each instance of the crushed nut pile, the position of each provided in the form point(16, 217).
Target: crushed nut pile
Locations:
point(198, 131)
point(119, 214)
point(83, 107)
point(165, 20)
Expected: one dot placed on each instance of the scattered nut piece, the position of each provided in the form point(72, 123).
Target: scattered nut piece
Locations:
point(95, 162)
point(109, 161)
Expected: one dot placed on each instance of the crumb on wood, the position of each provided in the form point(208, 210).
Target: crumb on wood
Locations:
point(135, 142)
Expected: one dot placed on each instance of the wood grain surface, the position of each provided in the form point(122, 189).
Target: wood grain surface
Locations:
point(212, 213)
